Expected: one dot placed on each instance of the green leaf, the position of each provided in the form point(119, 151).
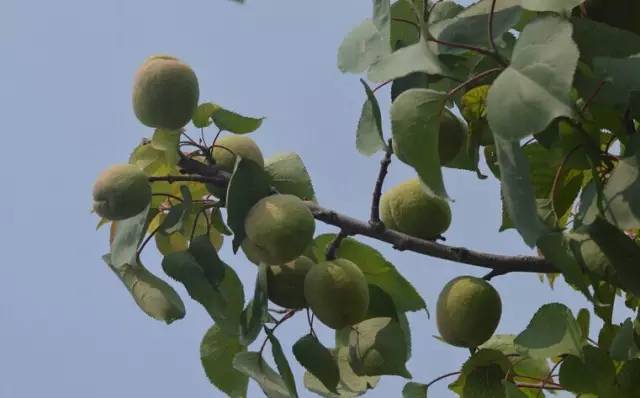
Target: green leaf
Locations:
point(620, 77)
point(154, 296)
point(256, 314)
point(376, 269)
point(218, 223)
point(621, 251)
point(317, 359)
point(555, 247)
point(249, 183)
point(252, 365)
point(560, 6)
point(223, 302)
point(415, 123)
point(584, 319)
point(517, 192)
point(444, 10)
point(382, 18)
point(594, 374)
point(414, 390)
point(377, 347)
point(224, 119)
point(362, 47)
point(176, 216)
point(553, 331)
point(206, 256)
point(217, 351)
point(628, 378)
point(288, 175)
point(127, 237)
point(369, 137)
point(167, 141)
point(523, 365)
point(623, 346)
point(203, 113)
point(620, 196)
point(596, 39)
point(470, 26)
point(417, 57)
point(537, 91)
point(282, 364)
point(351, 385)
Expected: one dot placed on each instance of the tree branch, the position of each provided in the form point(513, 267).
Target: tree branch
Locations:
point(374, 219)
point(500, 263)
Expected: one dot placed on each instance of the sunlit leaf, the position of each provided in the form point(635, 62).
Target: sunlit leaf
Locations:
point(217, 351)
point(362, 47)
point(369, 137)
point(289, 175)
point(255, 314)
point(417, 57)
point(127, 237)
point(252, 365)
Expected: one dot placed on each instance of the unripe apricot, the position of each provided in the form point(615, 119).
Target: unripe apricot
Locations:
point(121, 192)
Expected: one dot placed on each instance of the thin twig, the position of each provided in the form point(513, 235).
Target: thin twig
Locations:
point(168, 195)
point(491, 41)
point(473, 79)
point(595, 93)
point(268, 331)
point(548, 376)
point(379, 86)
point(335, 245)
point(444, 376)
point(463, 46)
point(374, 219)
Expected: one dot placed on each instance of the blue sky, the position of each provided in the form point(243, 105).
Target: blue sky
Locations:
point(67, 326)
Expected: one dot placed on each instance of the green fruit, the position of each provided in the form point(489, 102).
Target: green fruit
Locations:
point(451, 137)
point(165, 93)
point(468, 311)
point(337, 292)
point(227, 147)
point(121, 192)
point(286, 282)
point(409, 209)
point(280, 227)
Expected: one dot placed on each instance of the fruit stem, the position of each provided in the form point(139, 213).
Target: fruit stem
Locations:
point(374, 219)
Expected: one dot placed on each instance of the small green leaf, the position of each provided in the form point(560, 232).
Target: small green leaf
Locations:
point(417, 57)
point(252, 365)
point(376, 269)
point(538, 92)
point(362, 47)
point(584, 318)
point(481, 374)
point(415, 123)
point(622, 252)
point(517, 192)
point(154, 296)
point(595, 40)
point(218, 223)
point(176, 216)
point(377, 347)
point(628, 378)
point(560, 6)
point(382, 18)
point(249, 183)
point(127, 237)
point(217, 351)
point(203, 113)
point(317, 359)
point(553, 331)
point(282, 364)
point(369, 137)
point(224, 119)
point(288, 175)
point(256, 314)
point(414, 390)
point(167, 141)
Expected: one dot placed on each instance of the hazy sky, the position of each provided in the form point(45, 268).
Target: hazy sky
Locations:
point(67, 326)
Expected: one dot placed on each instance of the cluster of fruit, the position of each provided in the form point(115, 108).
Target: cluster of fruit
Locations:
point(280, 227)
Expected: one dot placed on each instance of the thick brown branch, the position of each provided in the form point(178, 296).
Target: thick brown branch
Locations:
point(502, 264)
